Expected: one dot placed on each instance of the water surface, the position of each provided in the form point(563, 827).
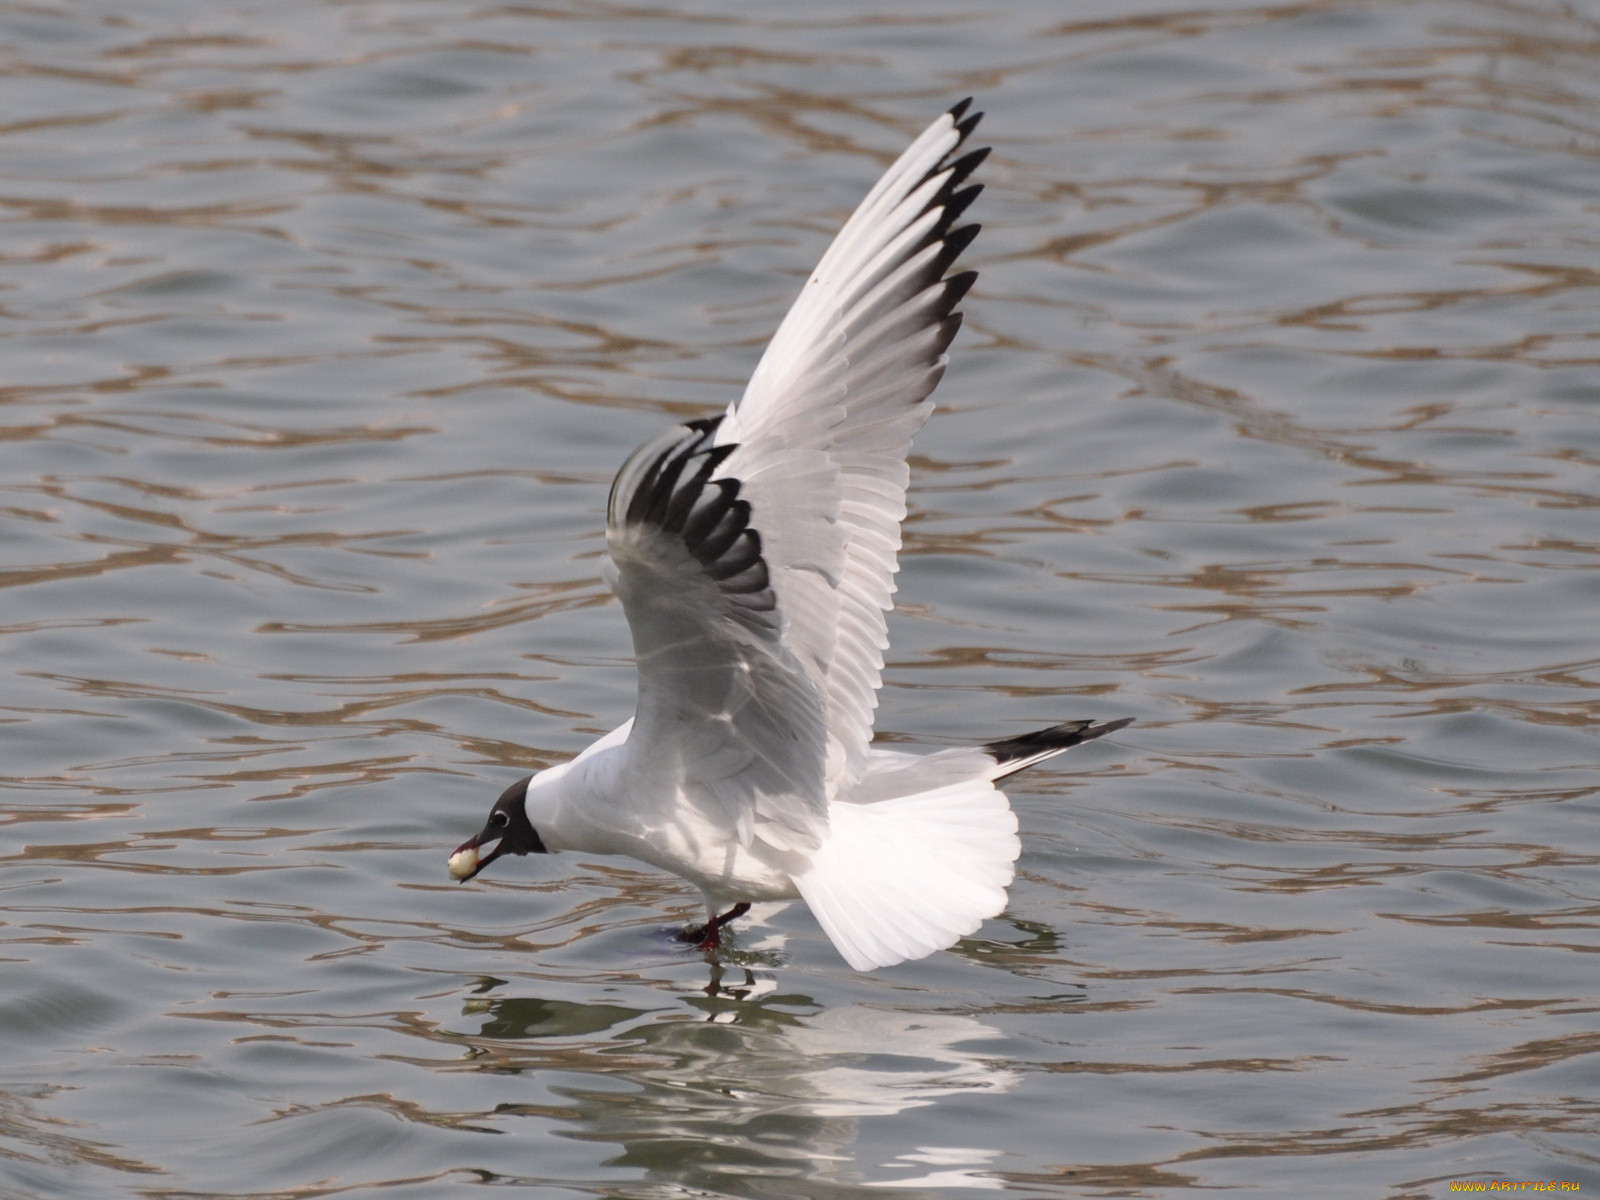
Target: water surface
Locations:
point(1274, 425)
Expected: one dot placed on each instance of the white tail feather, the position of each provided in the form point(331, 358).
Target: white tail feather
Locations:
point(900, 878)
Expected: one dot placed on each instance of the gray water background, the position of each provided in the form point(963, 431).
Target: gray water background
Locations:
point(1275, 425)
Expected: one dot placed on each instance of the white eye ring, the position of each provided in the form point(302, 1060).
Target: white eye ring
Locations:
point(497, 818)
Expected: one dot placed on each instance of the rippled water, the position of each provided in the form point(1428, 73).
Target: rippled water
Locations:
point(1275, 425)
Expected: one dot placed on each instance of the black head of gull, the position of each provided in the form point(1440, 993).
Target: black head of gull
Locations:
point(508, 827)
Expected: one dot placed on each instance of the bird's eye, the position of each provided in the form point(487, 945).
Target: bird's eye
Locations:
point(497, 818)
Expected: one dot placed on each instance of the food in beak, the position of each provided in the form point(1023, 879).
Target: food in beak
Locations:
point(464, 863)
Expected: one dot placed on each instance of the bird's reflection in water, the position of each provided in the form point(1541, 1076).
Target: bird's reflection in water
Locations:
point(742, 1081)
point(720, 987)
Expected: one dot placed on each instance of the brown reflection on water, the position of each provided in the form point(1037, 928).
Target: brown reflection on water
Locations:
point(1355, 1004)
point(58, 810)
point(109, 856)
point(1127, 1179)
point(1012, 658)
point(1246, 1066)
point(26, 1121)
point(549, 597)
point(1536, 1055)
point(1420, 1127)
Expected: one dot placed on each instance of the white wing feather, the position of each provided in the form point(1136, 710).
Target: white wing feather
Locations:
point(823, 429)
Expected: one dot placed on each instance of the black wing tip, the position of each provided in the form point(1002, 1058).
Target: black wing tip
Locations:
point(1043, 742)
point(964, 123)
point(960, 201)
point(964, 166)
point(679, 494)
point(956, 288)
point(955, 242)
point(952, 199)
point(948, 327)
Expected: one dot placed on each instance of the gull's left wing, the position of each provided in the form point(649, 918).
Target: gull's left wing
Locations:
point(720, 695)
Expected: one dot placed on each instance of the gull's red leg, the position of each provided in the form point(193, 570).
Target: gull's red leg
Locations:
point(709, 935)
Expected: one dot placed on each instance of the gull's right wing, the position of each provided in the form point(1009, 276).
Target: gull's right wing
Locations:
point(755, 554)
point(821, 434)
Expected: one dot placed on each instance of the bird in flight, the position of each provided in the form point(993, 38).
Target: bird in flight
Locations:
point(754, 554)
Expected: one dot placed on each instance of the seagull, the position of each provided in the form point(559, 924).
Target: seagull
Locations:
point(754, 554)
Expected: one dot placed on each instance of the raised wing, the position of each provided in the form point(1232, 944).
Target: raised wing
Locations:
point(818, 441)
point(723, 704)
